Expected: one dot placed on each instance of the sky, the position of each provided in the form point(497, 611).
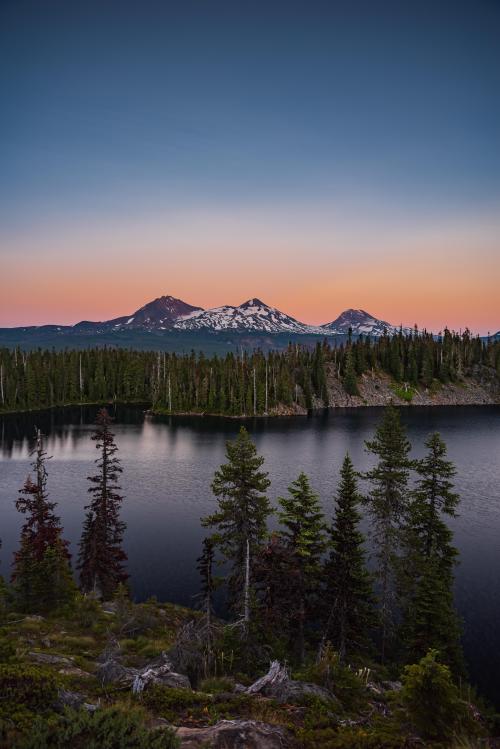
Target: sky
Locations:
point(317, 155)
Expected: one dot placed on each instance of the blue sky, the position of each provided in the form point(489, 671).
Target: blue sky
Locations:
point(360, 118)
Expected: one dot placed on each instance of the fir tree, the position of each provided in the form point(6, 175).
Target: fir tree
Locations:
point(387, 502)
point(241, 518)
point(303, 533)
point(430, 620)
point(41, 572)
point(348, 589)
point(101, 554)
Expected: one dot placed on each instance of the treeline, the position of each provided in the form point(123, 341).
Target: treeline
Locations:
point(236, 384)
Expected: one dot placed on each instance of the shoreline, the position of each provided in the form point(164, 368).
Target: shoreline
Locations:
point(285, 412)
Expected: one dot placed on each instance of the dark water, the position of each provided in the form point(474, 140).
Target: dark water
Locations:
point(168, 465)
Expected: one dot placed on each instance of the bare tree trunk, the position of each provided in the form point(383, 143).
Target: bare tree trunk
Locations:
point(81, 379)
point(169, 394)
point(246, 594)
point(1, 383)
point(266, 406)
point(254, 395)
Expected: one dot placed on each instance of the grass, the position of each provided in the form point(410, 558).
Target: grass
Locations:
point(404, 393)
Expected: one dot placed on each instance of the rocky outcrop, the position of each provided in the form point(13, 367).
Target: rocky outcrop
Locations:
point(480, 387)
point(234, 734)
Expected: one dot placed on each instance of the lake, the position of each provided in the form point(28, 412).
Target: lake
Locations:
point(169, 463)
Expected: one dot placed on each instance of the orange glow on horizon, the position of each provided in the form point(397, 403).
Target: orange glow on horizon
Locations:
point(443, 276)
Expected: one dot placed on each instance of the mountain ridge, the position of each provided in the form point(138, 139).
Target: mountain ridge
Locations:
point(252, 316)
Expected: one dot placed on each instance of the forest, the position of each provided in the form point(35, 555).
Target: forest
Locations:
point(240, 383)
point(364, 655)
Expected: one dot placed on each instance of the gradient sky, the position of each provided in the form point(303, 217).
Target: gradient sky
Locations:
point(318, 155)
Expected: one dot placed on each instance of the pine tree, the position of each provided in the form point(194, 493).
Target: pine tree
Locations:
point(101, 554)
point(348, 589)
point(430, 620)
point(241, 518)
point(387, 502)
point(303, 533)
point(41, 572)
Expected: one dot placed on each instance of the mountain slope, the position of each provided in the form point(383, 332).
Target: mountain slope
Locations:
point(361, 323)
point(161, 313)
point(252, 315)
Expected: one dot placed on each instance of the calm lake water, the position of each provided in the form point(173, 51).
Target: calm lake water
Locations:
point(169, 463)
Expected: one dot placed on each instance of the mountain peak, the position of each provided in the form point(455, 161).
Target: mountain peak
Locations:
point(361, 323)
point(254, 302)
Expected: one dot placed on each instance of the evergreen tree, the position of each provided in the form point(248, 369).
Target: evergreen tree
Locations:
point(350, 381)
point(241, 518)
point(348, 589)
point(41, 572)
point(205, 566)
point(387, 502)
point(101, 554)
point(432, 700)
point(275, 582)
point(430, 620)
point(303, 533)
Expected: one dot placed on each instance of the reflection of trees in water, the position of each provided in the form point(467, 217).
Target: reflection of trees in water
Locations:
point(59, 425)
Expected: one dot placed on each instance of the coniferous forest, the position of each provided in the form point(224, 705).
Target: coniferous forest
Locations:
point(313, 634)
point(243, 383)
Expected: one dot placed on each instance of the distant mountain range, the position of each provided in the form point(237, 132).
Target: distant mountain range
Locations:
point(171, 324)
point(253, 316)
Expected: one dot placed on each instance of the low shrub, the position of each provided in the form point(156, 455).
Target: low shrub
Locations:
point(215, 685)
point(117, 727)
point(30, 686)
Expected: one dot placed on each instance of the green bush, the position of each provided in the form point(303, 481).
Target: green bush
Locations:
point(7, 648)
point(341, 680)
point(29, 686)
point(109, 728)
point(169, 702)
point(432, 701)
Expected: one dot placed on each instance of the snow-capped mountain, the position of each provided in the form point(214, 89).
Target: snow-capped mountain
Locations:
point(252, 315)
point(166, 313)
point(361, 323)
point(160, 314)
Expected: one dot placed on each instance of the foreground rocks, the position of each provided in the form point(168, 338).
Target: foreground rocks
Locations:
point(236, 734)
point(112, 671)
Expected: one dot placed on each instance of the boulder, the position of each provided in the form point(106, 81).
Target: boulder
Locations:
point(75, 671)
point(75, 700)
point(112, 671)
point(48, 658)
point(234, 734)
